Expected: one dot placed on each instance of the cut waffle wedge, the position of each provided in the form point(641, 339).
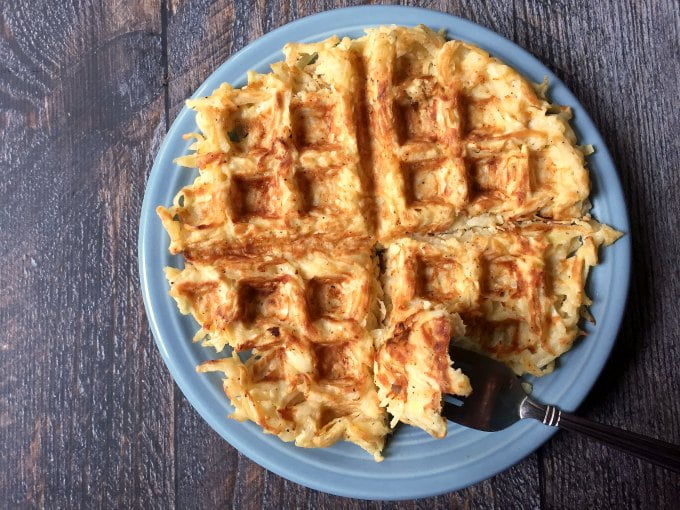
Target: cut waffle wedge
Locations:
point(519, 288)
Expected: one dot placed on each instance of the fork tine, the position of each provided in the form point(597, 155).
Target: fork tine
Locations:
point(474, 363)
point(452, 412)
point(462, 354)
point(456, 414)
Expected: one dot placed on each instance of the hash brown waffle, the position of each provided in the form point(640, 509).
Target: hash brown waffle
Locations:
point(519, 288)
point(432, 152)
point(306, 320)
point(413, 369)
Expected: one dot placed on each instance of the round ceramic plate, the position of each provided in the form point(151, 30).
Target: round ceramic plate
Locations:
point(415, 464)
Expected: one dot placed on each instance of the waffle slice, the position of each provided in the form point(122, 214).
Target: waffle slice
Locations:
point(279, 162)
point(245, 302)
point(413, 370)
point(460, 139)
point(306, 321)
point(519, 289)
point(420, 177)
point(313, 393)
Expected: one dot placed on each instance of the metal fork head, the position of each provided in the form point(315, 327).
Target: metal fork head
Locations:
point(497, 393)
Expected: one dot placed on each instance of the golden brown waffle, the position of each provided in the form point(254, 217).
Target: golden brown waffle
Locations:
point(518, 288)
point(392, 134)
point(279, 163)
point(351, 147)
point(306, 320)
point(413, 369)
point(456, 134)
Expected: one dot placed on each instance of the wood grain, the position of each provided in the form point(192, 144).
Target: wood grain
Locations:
point(86, 403)
point(89, 416)
point(622, 63)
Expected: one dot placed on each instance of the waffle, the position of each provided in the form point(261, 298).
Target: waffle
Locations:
point(306, 321)
point(413, 369)
point(458, 135)
point(518, 288)
point(430, 155)
point(395, 133)
point(279, 163)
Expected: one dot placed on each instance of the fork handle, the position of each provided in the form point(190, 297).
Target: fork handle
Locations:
point(663, 454)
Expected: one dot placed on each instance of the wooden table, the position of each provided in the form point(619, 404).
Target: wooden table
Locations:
point(89, 415)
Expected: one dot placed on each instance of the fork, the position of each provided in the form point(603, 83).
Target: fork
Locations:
point(498, 400)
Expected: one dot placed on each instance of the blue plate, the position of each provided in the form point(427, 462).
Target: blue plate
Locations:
point(415, 465)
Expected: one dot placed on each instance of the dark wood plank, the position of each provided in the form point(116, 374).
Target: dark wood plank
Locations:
point(86, 405)
point(621, 60)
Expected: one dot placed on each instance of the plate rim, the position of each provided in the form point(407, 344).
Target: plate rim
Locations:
point(147, 215)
